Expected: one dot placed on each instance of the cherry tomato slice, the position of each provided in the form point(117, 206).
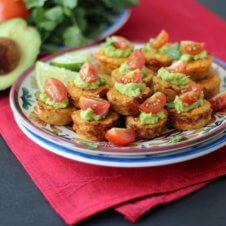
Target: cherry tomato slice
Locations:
point(192, 48)
point(55, 89)
point(136, 60)
point(160, 40)
point(88, 73)
point(133, 77)
point(177, 67)
point(218, 102)
point(153, 104)
point(12, 8)
point(120, 42)
point(121, 136)
point(98, 105)
point(191, 95)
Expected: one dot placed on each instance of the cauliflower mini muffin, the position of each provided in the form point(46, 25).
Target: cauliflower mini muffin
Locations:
point(113, 53)
point(171, 80)
point(87, 81)
point(152, 119)
point(191, 110)
point(52, 105)
point(135, 61)
point(197, 58)
point(94, 118)
point(128, 92)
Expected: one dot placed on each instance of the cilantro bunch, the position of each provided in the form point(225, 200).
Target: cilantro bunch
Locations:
point(73, 23)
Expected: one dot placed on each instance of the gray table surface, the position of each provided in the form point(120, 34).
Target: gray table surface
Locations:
point(22, 204)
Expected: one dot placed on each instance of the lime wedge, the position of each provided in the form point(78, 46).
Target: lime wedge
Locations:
point(43, 71)
point(72, 61)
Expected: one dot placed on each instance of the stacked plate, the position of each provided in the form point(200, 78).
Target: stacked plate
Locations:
point(62, 140)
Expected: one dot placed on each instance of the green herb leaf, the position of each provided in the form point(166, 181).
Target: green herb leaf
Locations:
point(34, 3)
point(177, 139)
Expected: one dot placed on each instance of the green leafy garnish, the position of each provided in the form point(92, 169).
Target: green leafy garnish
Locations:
point(173, 51)
point(177, 139)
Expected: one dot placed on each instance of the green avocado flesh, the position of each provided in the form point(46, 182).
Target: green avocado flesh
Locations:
point(28, 40)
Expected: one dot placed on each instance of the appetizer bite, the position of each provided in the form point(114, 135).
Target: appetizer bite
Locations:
point(152, 118)
point(52, 105)
point(172, 80)
point(191, 110)
point(113, 53)
point(134, 61)
point(94, 118)
point(218, 102)
point(198, 60)
point(128, 92)
point(87, 81)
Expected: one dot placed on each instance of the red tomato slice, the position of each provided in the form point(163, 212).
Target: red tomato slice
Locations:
point(12, 8)
point(153, 104)
point(192, 48)
point(177, 67)
point(136, 60)
point(133, 77)
point(192, 94)
point(55, 89)
point(88, 73)
point(121, 136)
point(98, 105)
point(218, 102)
point(120, 42)
point(160, 40)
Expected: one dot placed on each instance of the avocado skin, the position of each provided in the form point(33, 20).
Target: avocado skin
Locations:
point(28, 40)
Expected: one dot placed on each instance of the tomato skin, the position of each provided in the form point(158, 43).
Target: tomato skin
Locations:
point(120, 42)
point(12, 8)
point(153, 104)
point(136, 60)
point(97, 104)
point(134, 77)
point(177, 67)
point(88, 73)
point(55, 89)
point(121, 136)
point(160, 40)
point(192, 48)
point(191, 94)
point(218, 102)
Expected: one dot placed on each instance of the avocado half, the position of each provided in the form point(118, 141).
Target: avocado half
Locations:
point(28, 42)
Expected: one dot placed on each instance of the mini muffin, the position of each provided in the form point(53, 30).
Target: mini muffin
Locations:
point(128, 92)
point(52, 105)
point(87, 81)
point(150, 124)
point(191, 110)
point(197, 58)
point(171, 80)
point(94, 118)
point(210, 84)
point(112, 54)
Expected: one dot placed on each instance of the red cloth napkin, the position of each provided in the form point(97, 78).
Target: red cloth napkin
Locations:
point(76, 190)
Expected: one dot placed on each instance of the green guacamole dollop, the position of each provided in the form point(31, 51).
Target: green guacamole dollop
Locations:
point(187, 57)
point(130, 89)
point(173, 78)
point(89, 115)
point(83, 85)
point(124, 69)
point(57, 105)
point(151, 118)
point(181, 107)
point(111, 51)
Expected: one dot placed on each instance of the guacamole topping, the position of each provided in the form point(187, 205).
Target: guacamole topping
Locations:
point(83, 85)
point(172, 51)
point(173, 78)
point(147, 48)
point(57, 105)
point(151, 118)
point(181, 107)
point(89, 115)
point(124, 69)
point(187, 57)
point(111, 51)
point(130, 89)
